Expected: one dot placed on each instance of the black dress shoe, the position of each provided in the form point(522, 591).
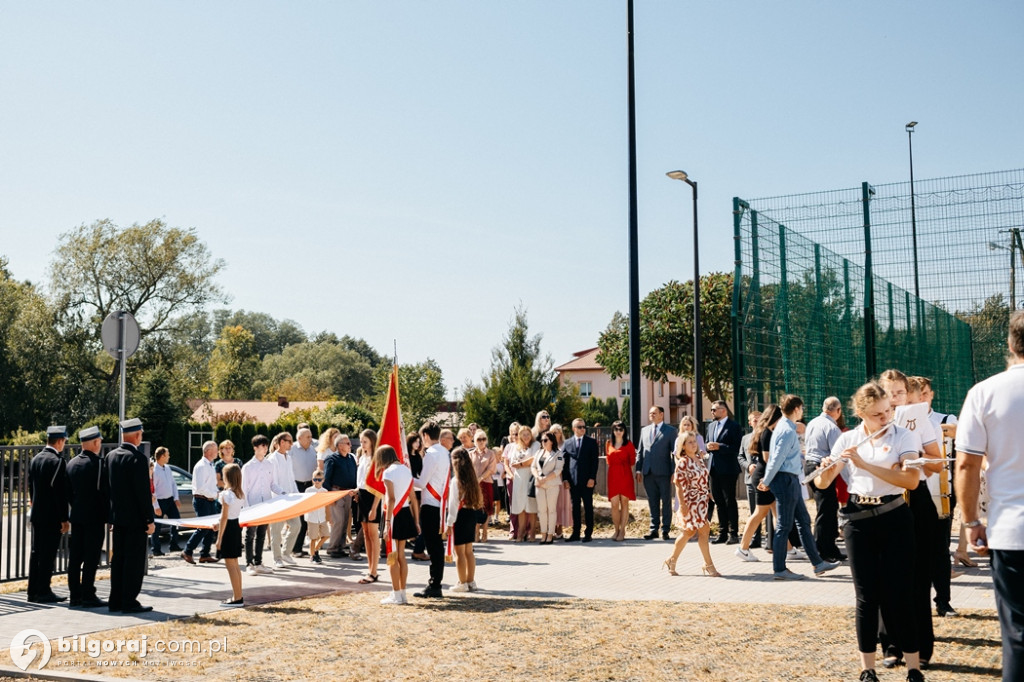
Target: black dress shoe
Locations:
point(75, 603)
point(175, 547)
point(159, 553)
point(92, 603)
point(945, 609)
point(138, 608)
point(47, 599)
point(666, 536)
point(720, 540)
point(573, 538)
point(429, 593)
point(113, 609)
point(733, 540)
point(915, 676)
point(653, 535)
point(588, 539)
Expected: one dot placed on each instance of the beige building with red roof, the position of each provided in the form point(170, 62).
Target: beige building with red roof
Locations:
point(674, 395)
point(262, 411)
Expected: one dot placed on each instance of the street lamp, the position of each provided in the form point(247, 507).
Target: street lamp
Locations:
point(913, 215)
point(1014, 238)
point(698, 363)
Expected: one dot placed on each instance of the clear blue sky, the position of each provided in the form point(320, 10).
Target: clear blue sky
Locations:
point(414, 170)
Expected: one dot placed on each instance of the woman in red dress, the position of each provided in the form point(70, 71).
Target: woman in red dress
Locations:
point(691, 481)
point(620, 456)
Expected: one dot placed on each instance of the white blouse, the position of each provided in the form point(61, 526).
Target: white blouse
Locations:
point(894, 446)
point(232, 502)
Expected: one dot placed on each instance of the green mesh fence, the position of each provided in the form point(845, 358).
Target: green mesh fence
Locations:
point(812, 322)
point(968, 248)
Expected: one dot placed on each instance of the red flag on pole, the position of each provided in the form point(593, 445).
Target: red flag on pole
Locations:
point(390, 434)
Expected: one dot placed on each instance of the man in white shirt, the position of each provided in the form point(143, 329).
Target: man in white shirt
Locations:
point(303, 457)
point(204, 501)
point(820, 436)
point(991, 425)
point(433, 481)
point(259, 486)
point(284, 479)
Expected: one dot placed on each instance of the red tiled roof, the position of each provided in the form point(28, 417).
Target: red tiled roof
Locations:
point(584, 360)
point(264, 411)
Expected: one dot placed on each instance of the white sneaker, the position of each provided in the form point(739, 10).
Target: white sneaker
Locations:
point(279, 564)
point(287, 559)
point(402, 597)
point(796, 553)
point(260, 568)
point(473, 587)
point(461, 587)
point(252, 570)
point(746, 555)
point(392, 598)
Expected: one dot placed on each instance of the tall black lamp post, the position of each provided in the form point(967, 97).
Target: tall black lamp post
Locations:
point(913, 214)
point(698, 363)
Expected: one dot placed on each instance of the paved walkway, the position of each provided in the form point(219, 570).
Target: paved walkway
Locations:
point(599, 570)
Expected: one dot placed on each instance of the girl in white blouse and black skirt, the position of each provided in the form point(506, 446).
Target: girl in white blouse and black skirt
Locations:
point(879, 530)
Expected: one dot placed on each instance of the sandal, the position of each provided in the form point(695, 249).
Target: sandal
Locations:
point(368, 579)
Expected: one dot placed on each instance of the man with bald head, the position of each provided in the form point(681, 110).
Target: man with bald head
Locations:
point(821, 434)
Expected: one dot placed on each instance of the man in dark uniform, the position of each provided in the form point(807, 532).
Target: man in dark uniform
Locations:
point(131, 515)
point(90, 507)
point(48, 486)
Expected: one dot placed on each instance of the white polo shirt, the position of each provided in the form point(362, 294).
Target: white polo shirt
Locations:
point(991, 424)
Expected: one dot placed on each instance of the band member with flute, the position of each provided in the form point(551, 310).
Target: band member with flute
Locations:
point(879, 531)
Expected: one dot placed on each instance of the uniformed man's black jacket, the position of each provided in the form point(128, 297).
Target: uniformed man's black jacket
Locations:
point(89, 489)
point(48, 486)
point(131, 502)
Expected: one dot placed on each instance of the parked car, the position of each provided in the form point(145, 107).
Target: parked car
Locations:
point(183, 480)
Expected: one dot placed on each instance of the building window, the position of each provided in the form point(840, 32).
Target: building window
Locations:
point(624, 389)
point(586, 389)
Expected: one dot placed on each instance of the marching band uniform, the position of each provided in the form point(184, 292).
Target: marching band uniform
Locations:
point(90, 508)
point(880, 539)
point(48, 487)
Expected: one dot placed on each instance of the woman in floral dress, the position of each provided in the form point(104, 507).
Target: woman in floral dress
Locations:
point(691, 481)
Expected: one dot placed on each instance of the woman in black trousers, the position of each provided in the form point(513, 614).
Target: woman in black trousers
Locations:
point(879, 530)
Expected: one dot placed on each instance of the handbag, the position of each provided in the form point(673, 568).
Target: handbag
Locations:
point(531, 490)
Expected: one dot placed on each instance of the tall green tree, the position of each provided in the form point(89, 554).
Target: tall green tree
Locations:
point(666, 335)
point(156, 272)
point(271, 336)
point(154, 403)
point(320, 370)
point(521, 382)
point(234, 364)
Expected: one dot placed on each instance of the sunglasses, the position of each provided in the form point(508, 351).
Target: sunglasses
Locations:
point(618, 428)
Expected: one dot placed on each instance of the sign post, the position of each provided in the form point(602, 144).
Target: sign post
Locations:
point(120, 335)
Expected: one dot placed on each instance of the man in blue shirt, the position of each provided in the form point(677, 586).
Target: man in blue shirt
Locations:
point(820, 437)
point(782, 477)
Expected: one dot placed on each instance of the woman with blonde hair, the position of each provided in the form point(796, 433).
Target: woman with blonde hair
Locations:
point(509, 473)
point(541, 424)
point(694, 492)
point(326, 446)
point(369, 506)
point(689, 425)
point(563, 507)
point(229, 533)
point(523, 505)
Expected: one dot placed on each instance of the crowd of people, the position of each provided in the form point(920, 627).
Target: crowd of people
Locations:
point(883, 486)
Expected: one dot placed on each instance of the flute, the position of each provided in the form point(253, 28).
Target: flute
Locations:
point(814, 474)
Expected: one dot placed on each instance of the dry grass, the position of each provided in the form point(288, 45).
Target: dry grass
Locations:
point(350, 636)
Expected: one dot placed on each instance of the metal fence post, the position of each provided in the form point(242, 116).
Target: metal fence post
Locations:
point(738, 405)
point(784, 302)
point(870, 365)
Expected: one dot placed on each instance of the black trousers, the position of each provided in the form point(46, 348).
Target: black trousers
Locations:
point(826, 517)
point(300, 538)
point(84, 549)
point(941, 563)
point(255, 539)
point(430, 523)
point(127, 566)
point(1008, 578)
point(920, 606)
point(45, 541)
point(582, 509)
point(752, 503)
point(723, 490)
point(170, 511)
point(881, 549)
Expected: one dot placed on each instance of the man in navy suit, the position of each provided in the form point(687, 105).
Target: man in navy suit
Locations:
point(579, 475)
point(654, 468)
point(724, 436)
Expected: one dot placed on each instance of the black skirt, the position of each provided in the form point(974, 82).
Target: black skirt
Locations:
point(465, 527)
point(231, 543)
point(403, 526)
point(762, 497)
point(368, 501)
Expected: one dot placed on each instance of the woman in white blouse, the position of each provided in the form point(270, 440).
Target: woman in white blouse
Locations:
point(523, 506)
point(879, 530)
point(547, 472)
